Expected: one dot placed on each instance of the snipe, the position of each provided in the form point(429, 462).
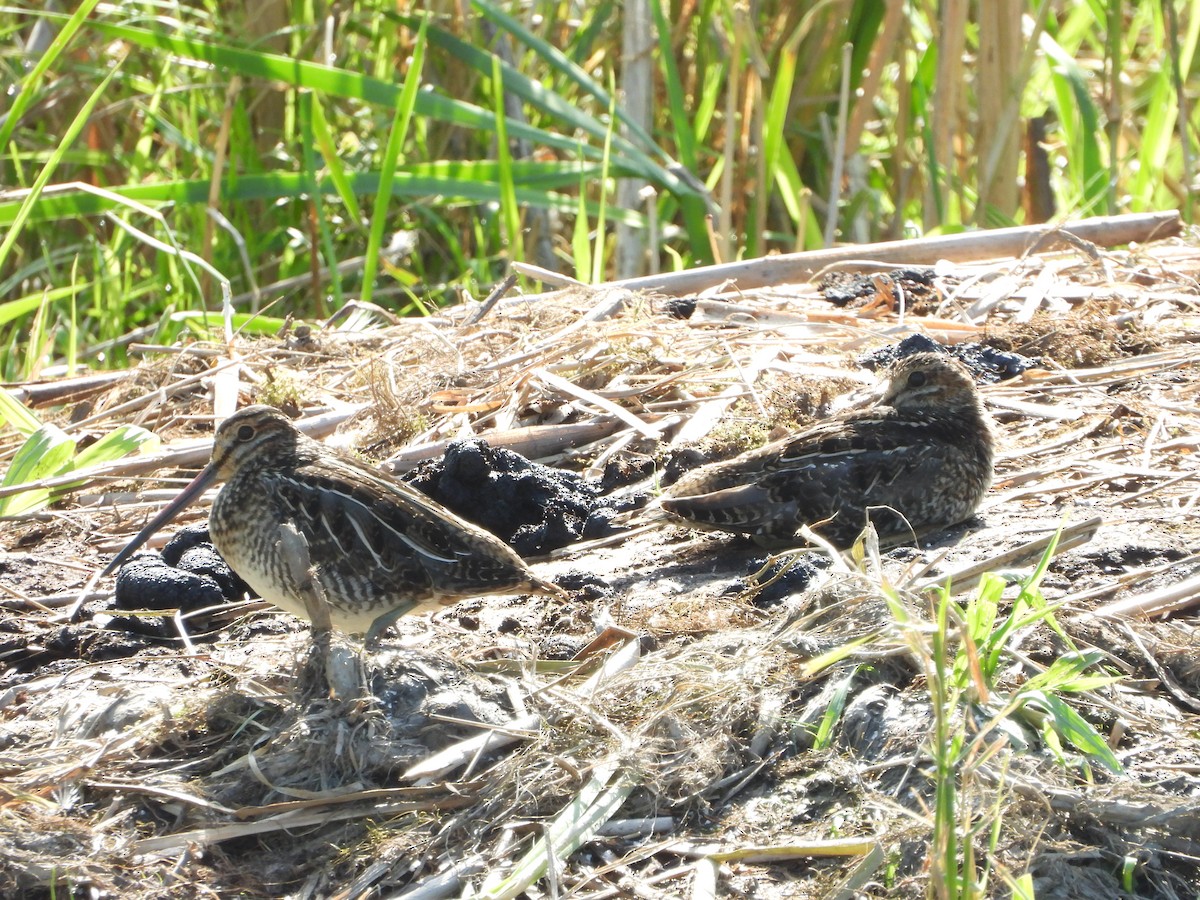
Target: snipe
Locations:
point(379, 548)
point(920, 459)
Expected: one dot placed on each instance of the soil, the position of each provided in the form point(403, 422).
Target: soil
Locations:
point(763, 721)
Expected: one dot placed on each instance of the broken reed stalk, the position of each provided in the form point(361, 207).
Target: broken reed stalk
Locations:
point(798, 268)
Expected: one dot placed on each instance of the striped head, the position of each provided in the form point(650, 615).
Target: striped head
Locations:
point(257, 436)
point(925, 381)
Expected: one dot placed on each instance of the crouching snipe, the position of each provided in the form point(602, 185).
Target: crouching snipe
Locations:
point(920, 459)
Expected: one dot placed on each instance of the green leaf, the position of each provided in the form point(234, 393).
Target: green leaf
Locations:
point(17, 414)
point(45, 453)
point(120, 442)
point(833, 712)
point(1067, 674)
point(211, 324)
point(1076, 730)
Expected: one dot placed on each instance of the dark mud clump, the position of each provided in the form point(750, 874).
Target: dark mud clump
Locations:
point(773, 579)
point(585, 586)
point(917, 285)
point(986, 364)
point(188, 574)
point(680, 307)
point(532, 507)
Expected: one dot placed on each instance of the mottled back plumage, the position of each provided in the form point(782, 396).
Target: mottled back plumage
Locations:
point(921, 458)
point(379, 548)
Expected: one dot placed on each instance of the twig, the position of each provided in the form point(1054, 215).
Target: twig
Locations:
point(1172, 598)
point(509, 282)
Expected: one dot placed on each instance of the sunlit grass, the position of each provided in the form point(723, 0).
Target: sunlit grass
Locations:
point(269, 156)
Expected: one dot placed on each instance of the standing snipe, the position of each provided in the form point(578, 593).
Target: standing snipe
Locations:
point(921, 458)
point(378, 547)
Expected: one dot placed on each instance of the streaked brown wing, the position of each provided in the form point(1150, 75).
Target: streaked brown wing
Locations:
point(406, 541)
point(829, 472)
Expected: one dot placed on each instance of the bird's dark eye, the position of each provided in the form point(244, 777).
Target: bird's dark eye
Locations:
point(916, 379)
point(247, 431)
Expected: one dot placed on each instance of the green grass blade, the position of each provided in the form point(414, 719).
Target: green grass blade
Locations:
point(340, 83)
point(534, 93)
point(47, 171)
point(510, 213)
point(308, 109)
point(693, 207)
point(559, 62)
point(333, 162)
point(580, 245)
point(33, 78)
point(23, 306)
point(450, 181)
point(597, 273)
point(118, 443)
point(775, 120)
point(1158, 136)
point(1080, 121)
point(833, 712)
point(17, 414)
point(1067, 673)
point(1078, 732)
point(685, 137)
point(209, 325)
point(405, 103)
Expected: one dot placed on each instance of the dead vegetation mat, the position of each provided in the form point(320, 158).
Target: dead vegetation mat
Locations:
point(700, 718)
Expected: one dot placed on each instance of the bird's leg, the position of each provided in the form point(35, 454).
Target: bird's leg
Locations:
point(341, 672)
point(293, 550)
point(380, 625)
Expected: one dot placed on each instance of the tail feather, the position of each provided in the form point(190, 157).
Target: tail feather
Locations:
point(747, 508)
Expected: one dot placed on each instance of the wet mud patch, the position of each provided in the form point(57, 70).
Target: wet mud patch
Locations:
point(551, 628)
point(778, 578)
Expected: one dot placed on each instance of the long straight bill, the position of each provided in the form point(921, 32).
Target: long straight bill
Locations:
point(194, 489)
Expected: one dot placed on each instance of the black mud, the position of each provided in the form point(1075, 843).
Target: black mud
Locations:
point(532, 507)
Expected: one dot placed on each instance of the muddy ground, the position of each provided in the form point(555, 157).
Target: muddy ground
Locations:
point(708, 714)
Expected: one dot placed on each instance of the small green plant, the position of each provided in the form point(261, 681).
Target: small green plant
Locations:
point(49, 454)
point(986, 648)
point(978, 712)
point(281, 391)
